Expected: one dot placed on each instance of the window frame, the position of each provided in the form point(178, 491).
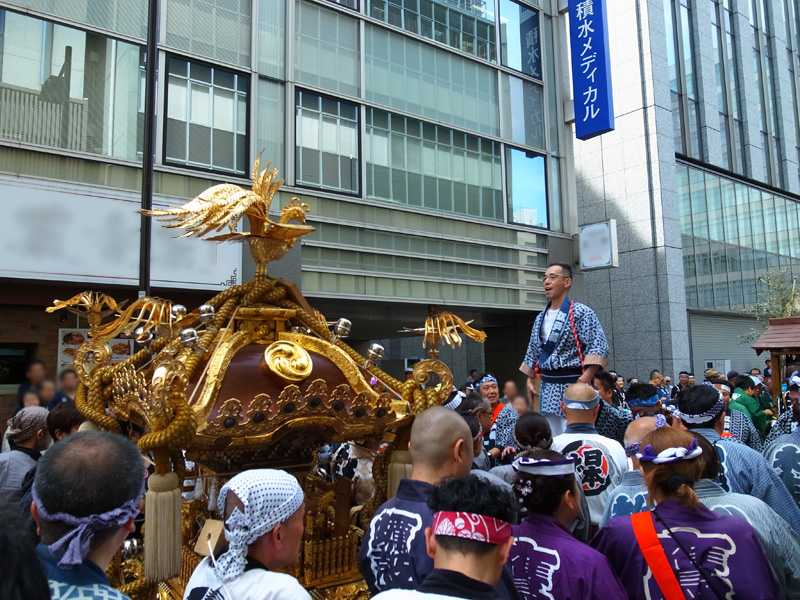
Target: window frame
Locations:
point(685, 103)
point(165, 160)
point(546, 171)
point(358, 177)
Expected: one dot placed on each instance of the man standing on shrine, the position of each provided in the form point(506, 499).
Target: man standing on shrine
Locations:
point(567, 345)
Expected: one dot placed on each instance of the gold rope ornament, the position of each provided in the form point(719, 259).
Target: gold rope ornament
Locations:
point(439, 329)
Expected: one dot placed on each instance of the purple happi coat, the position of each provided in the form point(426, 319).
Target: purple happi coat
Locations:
point(548, 562)
point(726, 546)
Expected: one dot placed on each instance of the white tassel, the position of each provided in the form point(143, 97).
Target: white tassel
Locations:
point(212, 496)
point(162, 532)
point(399, 468)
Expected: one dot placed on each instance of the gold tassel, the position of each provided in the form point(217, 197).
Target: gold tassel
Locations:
point(162, 533)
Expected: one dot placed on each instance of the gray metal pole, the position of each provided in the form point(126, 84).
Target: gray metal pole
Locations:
point(148, 156)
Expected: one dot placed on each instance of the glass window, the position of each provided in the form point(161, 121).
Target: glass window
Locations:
point(691, 296)
point(680, 62)
point(527, 191)
point(758, 240)
point(699, 210)
point(327, 54)
point(781, 225)
point(520, 45)
point(421, 164)
point(206, 117)
point(714, 206)
point(743, 216)
point(793, 224)
point(689, 263)
point(327, 143)
point(736, 294)
point(684, 199)
point(702, 259)
point(749, 288)
point(217, 29)
point(555, 196)
point(348, 3)
point(129, 17)
point(729, 211)
point(769, 232)
point(524, 117)
point(466, 26)
point(705, 295)
point(271, 37)
point(270, 116)
point(65, 88)
point(553, 95)
point(407, 75)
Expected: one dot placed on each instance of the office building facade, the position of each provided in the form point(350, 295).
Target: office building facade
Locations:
point(427, 136)
point(701, 174)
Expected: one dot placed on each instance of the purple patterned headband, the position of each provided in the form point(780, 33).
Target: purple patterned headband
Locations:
point(633, 448)
point(73, 546)
point(711, 413)
point(669, 455)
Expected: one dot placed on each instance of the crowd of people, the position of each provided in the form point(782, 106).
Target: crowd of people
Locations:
point(38, 390)
point(612, 489)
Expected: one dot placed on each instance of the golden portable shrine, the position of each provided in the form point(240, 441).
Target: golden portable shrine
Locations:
point(254, 378)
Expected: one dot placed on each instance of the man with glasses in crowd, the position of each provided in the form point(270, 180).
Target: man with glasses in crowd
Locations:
point(567, 345)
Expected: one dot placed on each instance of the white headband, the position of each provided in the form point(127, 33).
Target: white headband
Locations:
point(531, 466)
point(456, 401)
point(583, 404)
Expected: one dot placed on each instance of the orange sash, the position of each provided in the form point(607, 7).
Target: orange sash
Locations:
point(496, 411)
point(645, 531)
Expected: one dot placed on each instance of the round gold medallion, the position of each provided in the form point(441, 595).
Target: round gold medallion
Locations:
point(288, 360)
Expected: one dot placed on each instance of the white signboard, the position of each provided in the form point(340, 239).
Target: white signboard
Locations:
point(598, 245)
point(63, 232)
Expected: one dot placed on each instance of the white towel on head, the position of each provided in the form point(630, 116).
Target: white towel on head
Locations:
point(269, 497)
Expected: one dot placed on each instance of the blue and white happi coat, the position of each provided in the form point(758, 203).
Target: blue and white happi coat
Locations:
point(741, 427)
point(781, 545)
point(559, 352)
point(745, 471)
point(783, 425)
point(783, 455)
point(628, 498)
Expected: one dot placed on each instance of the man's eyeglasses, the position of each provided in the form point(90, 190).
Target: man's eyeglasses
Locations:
point(553, 277)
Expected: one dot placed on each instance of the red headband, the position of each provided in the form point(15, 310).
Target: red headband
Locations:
point(471, 526)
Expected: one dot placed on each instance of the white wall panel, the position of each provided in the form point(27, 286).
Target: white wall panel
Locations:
point(66, 233)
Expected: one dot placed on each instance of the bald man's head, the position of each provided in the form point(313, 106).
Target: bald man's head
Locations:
point(638, 429)
point(580, 392)
point(581, 403)
point(441, 443)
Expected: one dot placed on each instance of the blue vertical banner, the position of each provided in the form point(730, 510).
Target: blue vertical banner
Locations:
point(591, 68)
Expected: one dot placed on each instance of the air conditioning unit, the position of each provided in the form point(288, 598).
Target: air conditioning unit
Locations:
point(722, 365)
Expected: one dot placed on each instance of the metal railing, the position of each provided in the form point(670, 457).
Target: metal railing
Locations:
point(25, 117)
